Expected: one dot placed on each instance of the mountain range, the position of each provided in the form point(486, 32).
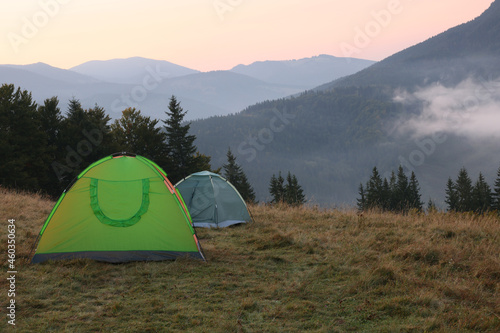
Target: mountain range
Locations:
point(432, 108)
point(303, 73)
point(148, 84)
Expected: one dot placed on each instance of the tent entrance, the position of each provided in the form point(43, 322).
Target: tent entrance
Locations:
point(119, 203)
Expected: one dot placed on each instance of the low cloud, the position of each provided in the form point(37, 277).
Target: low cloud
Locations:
point(471, 109)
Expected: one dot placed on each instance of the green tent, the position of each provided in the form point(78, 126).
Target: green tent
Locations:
point(121, 208)
point(212, 201)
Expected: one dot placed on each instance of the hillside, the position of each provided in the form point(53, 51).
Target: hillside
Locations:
point(386, 115)
point(300, 269)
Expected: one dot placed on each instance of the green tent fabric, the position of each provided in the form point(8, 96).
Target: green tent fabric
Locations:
point(212, 201)
point(121, 208)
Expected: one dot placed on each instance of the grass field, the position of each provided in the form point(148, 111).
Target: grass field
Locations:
point(293, 270)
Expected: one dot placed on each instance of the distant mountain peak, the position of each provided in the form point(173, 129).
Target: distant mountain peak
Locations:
point(304, 72)
point(54, 73)
point(130, 70)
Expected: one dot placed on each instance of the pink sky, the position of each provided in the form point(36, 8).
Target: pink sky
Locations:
point(219, 34)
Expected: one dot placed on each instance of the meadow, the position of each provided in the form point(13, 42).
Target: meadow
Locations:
point(301, 269)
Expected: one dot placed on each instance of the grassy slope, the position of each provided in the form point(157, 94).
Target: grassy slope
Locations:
point(292, 270)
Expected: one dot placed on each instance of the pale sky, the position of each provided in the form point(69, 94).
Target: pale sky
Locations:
point(219, 34)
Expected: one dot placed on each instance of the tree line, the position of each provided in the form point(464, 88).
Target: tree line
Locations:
point(290, 193)
point(464, 196)
point(398, 194)
point(401, 194)
point(42, 149)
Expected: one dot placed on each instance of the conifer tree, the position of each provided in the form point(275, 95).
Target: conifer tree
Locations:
point(23, 143)
point(374, 190)
point(414, 197)
point(496, 193)
point(294, 194)
point(138, 134)
point(180, 144)
point(182, 160)
point(393, 200)
point(402, 191)
point(99, 133)
point(361, 201)
point(431, 206)
point(277, 188)
point(202, 163)
point(386, 195)
point(235, 175)
point(86, 136)
point(481, 196)
point(463, 187)
point(50, 121)
point(75, 111)
point(451, 196)
point(51, 124)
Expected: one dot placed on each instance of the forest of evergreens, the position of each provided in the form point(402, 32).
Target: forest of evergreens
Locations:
point(400, 194)
point(462, 195)
point(43, 149)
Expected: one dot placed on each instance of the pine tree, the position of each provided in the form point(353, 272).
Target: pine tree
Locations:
point(402, 191)
point(294, 194)
point(361, 201)
point(51, 124)
point(496, 193)
point(385, 195)
point(135, 133)
point(481, 196)
point(86, 136)
point(202, 163)
point(232, 170)
point(182, 160)
point(75, 111)
point(451, 196)
point(180, 145)
point(98, 133)
point(23, 143)
point(235, 175)
point(299, 195)
point(374, 190)
point(50, 121)
point(463, 186)
point(414, 199)
point(277, 189)
point(393, 200)
point(431, 206)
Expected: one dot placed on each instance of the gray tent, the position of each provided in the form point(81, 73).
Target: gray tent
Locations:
point(212, 201)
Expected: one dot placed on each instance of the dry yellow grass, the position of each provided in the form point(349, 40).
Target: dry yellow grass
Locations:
point(293, 270)
point(30, 211)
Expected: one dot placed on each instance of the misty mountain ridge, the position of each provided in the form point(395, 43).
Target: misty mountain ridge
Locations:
point(55, 73)
point(130, 70)
point(433, 108)
point(303, 73)
point(147, 84)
